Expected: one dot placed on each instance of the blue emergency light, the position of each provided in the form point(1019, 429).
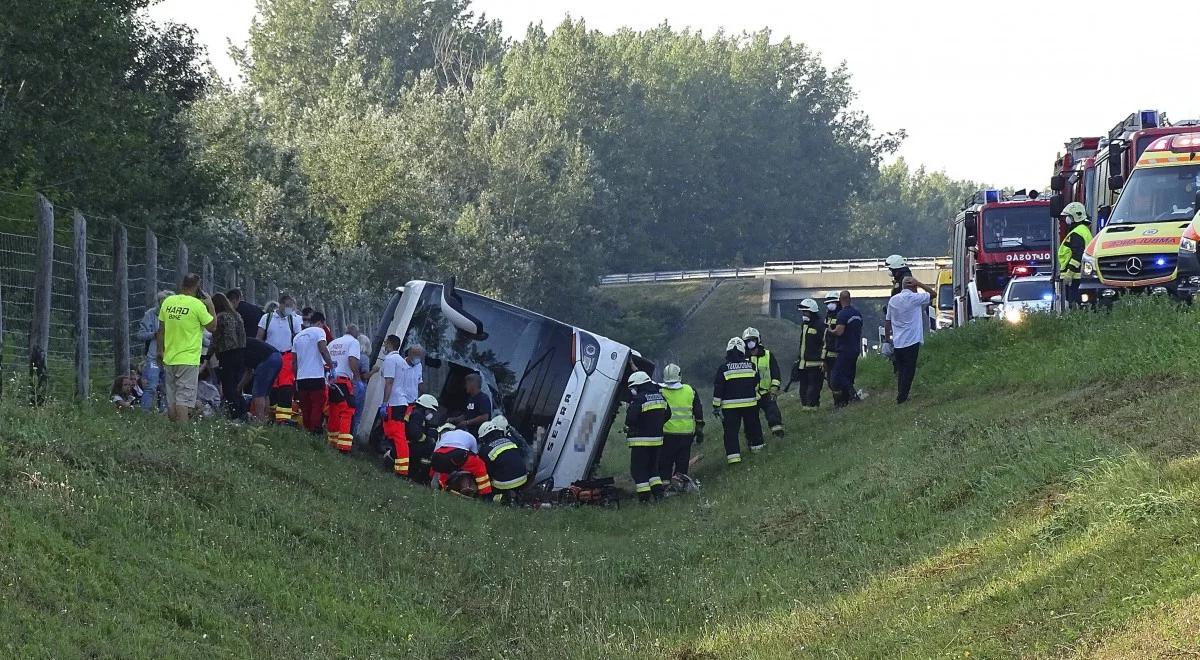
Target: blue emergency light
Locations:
point(991, 196)
point(1160, 262)
point(1047, 296)
point(1149, 119)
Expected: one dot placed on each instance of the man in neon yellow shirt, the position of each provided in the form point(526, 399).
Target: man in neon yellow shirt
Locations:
point(184, 316)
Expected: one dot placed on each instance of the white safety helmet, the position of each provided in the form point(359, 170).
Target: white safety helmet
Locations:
point(488, 427)
point(427, 401)
point(672, 374)
point(736, 344)
point(809, 305)
point(501, 422)
point(638, 378)
point(1075, 212)
point(895, 262)
point(833, 296)
point(751, 333)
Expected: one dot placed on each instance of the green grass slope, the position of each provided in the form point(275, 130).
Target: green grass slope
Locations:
point(1037, 498)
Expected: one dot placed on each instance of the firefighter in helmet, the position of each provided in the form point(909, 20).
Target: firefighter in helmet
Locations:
point(1070, 251)
point(832, 307)
point(897, 265)
point(735, 401)
point(768, 378)
point(812, 352)
point(645, 418)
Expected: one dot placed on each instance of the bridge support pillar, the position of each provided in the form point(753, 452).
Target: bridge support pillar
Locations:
point(768, 284)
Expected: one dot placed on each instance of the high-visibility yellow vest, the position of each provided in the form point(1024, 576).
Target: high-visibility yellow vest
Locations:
point(682, 421)
point(1066, 261)
point(763, 364)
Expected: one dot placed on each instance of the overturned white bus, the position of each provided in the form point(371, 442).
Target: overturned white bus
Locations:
point(558, 385)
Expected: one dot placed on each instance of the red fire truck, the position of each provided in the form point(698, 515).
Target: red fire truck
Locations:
point(1074, 177)
point(995, 238)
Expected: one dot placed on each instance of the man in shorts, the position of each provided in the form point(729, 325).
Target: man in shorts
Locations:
point(184, 317)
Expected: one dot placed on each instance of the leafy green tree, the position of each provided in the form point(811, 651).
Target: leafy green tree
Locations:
point(91, 99)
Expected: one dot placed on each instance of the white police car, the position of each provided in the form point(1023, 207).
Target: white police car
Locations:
point(1024, 296)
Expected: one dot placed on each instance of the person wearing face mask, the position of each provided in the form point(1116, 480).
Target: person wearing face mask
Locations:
point(645, 416)
point(735, 401)
point(768, 379)
point(832, 307)
point(904, 327)
point(278, 327)
point(812, 352)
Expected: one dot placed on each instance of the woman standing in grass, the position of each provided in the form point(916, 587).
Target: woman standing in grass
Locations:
point(229, 345)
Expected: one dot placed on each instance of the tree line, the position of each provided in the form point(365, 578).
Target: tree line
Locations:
point(373, 141)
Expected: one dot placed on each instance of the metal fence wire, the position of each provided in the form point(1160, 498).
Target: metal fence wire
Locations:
point(20, 266)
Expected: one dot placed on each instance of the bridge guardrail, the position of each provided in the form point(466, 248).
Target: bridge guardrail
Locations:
point(770, 268)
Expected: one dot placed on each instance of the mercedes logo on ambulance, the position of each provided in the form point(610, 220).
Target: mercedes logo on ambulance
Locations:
point(1133, 266)
point(1150, 232)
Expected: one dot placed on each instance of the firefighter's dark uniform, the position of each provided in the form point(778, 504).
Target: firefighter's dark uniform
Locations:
point(505, 466)
point(1070, 259)
point(735, 401)
point(845, 367)
point(420, 430)
point(645, 417)
point(685, 424)
point(811, 356)
point(768, 386)
point(831, 347)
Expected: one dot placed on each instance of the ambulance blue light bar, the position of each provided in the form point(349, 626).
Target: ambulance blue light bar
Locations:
point(1149, 118)
point(991, 196)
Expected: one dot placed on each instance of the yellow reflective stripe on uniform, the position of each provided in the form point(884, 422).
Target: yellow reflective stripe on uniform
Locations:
point(644, 442)
point(511, 483)
point(740, 373)
point(655, 481)
point(732, 404)
point(811, 330)
point(500, 449)
point(654, 405)
point(643, 487)
point(716, 402)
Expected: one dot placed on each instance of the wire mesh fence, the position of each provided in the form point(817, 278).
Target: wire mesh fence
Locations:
point(150, 264)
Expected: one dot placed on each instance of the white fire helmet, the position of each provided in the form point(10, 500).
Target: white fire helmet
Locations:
point(833, 296)
point(672, 374)
point(638, 378)
point(1076, 212)
point(751, 333)
point(809, 305)
point(487, 427)
point(427, 401)
point(895, 262)
point(736, 344)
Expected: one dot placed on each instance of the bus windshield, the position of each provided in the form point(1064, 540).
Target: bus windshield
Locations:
point(1158, 194)
point(1017, 228)
point(524, 359)
point(1029, 290)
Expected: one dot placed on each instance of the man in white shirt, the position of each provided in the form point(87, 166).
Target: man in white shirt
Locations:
point(411, 381)
point(904, 327)
point(279, 327)
point(346, 353)
point(312, 362)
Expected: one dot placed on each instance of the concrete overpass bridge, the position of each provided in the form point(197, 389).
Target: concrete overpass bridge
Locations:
point(786, 283)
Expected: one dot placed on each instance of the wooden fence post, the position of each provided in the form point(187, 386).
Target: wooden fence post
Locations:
point(151, 270)
point(206, 274)
point(120, 300)
point(83, 376)
point(181, 265)
point(39, 326)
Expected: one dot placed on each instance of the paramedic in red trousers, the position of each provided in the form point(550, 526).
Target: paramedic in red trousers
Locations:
point(346, 354)
point(278, 328)
point(395, 402)
point(645, 417)
point(686, 423)
point(313, 362)
point(735, 401)
point(768, 379)
point(458, 450)
point(904, 328)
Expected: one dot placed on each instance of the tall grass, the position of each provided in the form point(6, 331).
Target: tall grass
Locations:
point(1037, 497)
